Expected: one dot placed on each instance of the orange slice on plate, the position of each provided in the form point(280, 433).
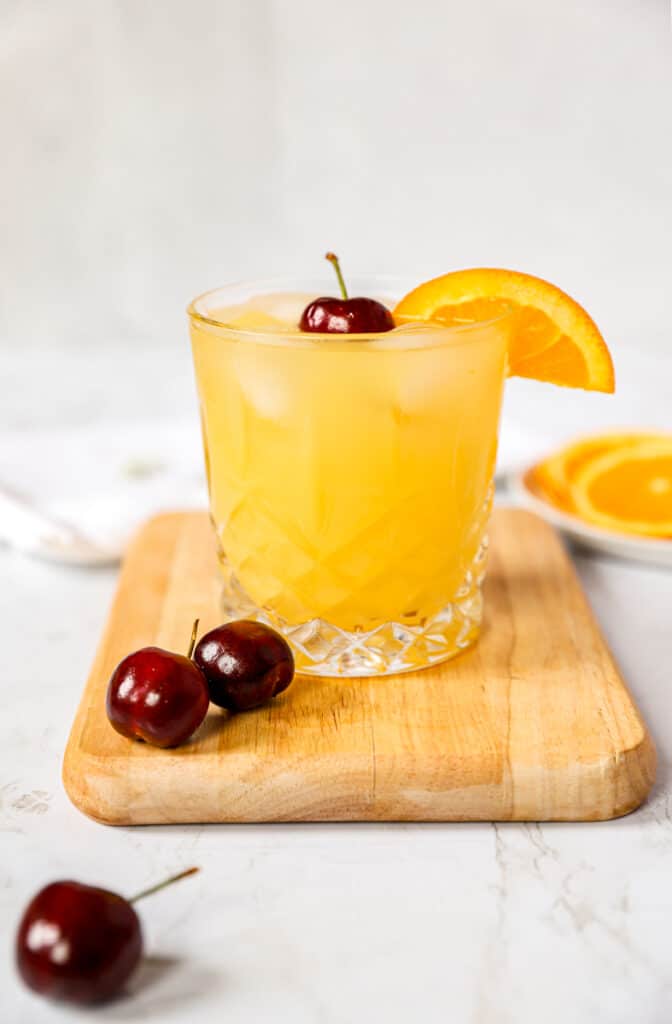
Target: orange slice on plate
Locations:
point(554, 339)
point(554, 475)
point(628, 490)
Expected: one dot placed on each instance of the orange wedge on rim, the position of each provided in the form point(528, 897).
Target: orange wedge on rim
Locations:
point(554, 339)
point(628, 490)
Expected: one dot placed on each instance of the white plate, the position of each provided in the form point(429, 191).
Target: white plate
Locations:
point(618, 545)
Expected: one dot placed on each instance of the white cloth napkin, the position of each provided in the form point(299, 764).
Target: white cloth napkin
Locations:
point(103, 481)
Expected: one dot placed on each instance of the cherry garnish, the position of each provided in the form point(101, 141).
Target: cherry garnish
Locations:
point(79, 943)
point(329, 315)
point(245, 664)
point(157, 696)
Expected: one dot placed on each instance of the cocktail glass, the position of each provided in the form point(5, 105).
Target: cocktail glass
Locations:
point(350, 476)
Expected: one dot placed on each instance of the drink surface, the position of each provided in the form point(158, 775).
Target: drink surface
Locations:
point(349, 477)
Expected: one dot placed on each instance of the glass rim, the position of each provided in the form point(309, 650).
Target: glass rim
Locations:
point(306, 338)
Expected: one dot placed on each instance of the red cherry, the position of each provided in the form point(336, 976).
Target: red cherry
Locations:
point(245, 664)
point(78, 943)
point(346, 316)
point(157, 696)
point(329, 315)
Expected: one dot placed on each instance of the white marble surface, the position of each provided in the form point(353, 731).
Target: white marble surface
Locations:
point(480, 924)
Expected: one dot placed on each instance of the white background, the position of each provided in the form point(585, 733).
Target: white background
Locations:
point(153, 150)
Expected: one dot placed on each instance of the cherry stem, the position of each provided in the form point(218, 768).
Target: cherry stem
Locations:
point(162, 885)
point(333, 259)
point(194, 634)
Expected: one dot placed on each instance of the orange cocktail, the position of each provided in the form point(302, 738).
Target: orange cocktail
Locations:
point(350, 477)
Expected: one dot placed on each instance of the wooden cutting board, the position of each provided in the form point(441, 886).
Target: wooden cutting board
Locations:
point(535, 723)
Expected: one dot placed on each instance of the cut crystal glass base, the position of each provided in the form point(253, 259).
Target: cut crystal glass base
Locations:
point(323, 649)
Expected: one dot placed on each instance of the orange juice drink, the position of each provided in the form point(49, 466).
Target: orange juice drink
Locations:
point(350, 476)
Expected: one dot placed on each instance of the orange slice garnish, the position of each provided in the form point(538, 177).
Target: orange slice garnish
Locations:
point(554, 339)
point(628, 490)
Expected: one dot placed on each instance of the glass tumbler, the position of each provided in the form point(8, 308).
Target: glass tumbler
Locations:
point(350, 476)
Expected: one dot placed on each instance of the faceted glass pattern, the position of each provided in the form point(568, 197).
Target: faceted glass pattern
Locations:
point(323, 649)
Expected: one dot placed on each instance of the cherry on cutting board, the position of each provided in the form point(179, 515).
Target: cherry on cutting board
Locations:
point(329, 315)
point(245, 664)
point(157, 696)
point(79, 943)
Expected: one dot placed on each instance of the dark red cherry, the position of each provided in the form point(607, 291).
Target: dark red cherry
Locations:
point(329, 315)
point(245, 664)
point(78, 943)
point(157, 696)
point(346, 316)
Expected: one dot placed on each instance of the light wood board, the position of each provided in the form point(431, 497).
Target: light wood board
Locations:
point(534, 723)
